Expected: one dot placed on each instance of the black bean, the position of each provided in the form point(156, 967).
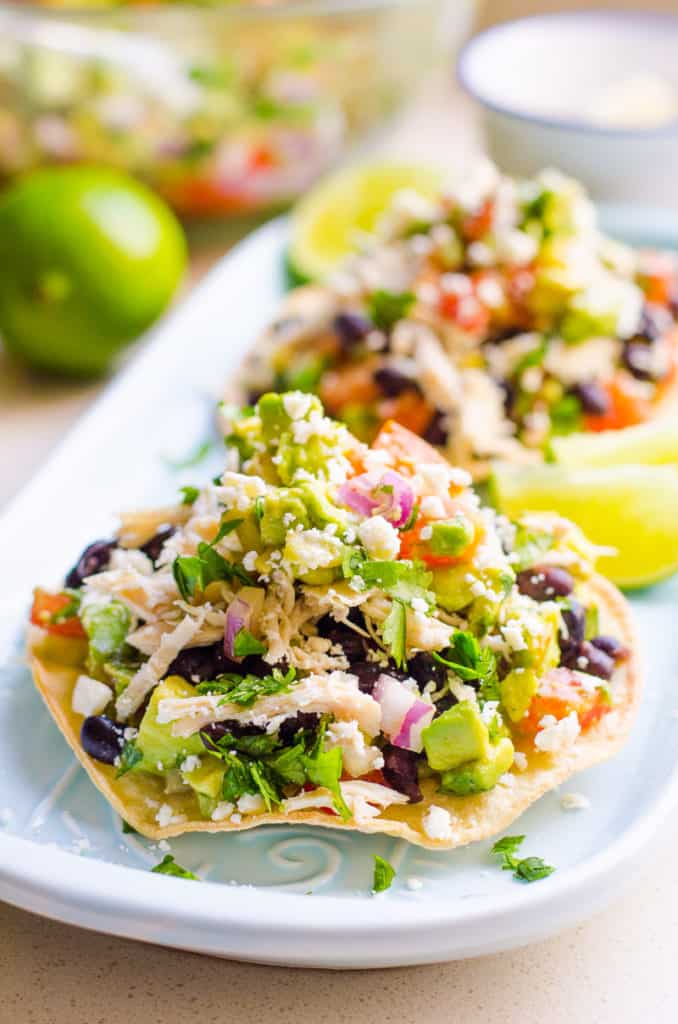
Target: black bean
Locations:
point(197, 664)
point(437, 432)
point(544, 582)
point(425, 669)
point(637, 358)
point(593, 398)
point(394, 382)
point(154, 546)
point(367, 672)
point(351, 328)
point(351, 643)
point(655, 321)
point(614, 648)
point(594, 661)
point(574, 619)
point(302, 720)
point(102, 738)
point(94, 559)
point(400, 772)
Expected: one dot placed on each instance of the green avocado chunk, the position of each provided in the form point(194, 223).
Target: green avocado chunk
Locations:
point(479, 776)
point(456, 736)
point(161, 750)
point(517, 690)
point(207, 781)
point(452, 536)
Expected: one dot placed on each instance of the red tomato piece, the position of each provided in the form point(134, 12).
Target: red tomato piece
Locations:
point(46, 606)
point(561, 693)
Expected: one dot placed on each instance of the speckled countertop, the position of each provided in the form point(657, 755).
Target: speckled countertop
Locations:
point(620, 968)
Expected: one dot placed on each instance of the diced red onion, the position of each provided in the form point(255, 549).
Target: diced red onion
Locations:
point(392, 496)
point(403, 714)
point(415, 721)
point(237, 618)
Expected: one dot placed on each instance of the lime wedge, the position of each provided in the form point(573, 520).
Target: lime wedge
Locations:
point(327, 222)
point(653, 443)
point(629, 508)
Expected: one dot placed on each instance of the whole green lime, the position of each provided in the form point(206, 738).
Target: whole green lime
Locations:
point(89, 258)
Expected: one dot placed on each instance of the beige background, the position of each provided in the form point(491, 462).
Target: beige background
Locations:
point(620, 968)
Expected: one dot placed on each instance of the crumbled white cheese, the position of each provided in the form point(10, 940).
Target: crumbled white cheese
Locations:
point(555, 735)
point(432, 507)
point(413, 884)
point(90, 696)
point(250, 561)
point(296, 404)
point(224, 809)
point(513, 635)
point(520, 760)
point(380, 538)
point(574, 802)
point(358, 757)
point(190, 763)
point(437, 823)
point(164, 815)
point(418, 604)
point(236, 818)
point(426, 532)
point(515, 247)
point(312, 549)
point(251, 804)
point(164, 846)
point(489, 710)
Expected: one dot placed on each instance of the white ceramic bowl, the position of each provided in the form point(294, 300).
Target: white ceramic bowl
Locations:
point(538, 78)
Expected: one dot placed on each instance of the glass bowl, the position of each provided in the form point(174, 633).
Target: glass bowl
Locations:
point(225, 108)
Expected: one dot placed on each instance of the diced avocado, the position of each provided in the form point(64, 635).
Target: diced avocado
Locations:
point(274, 419)
point(161, 750)
point(452, 536)
point(282, 510)
point(452, 589)
point(207, 781)
point(517, 690)
point(361, 421)
point(456, 736)
point(580, 323)
point(543, 650)
point(313, 552)
point(479, 776)
point(313, 494)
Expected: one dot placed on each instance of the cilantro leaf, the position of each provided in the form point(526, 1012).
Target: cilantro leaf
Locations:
point(529, 869)
point(394, 633)
point(188, 572)
point(384, 873)
point(238, 778)
point(168, 866)
point(258, 745)
point(224, 529)
point(193, 573)
point(130, 755)
point(472, 663)
point(244, 644)
point(259, 507)
point(289, 765)
point(127, 828)
point(248, 689)
point(323, 768)
point(387, 308)
point(189, 494)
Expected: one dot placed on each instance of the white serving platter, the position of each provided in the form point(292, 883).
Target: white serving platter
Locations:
point(292, 896)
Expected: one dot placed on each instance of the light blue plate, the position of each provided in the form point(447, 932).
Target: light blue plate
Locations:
point(161, 406)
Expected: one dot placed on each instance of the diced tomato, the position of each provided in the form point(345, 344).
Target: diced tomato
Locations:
point(657, 277)
point(407, 450)
point(409, 409)
point(627, 407)
point(478, 224)
point(199, 197)
point(561, 693)
point(261, 158)
point(351, 384)
point(46, 606)
point(467, 311)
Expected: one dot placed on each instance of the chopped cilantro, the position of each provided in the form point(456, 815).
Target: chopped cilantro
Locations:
point(244, 644)
point(189, 494)
point(68, 611)
point(394, 633)
point(224, 529)
point(248, 689)
point(384, 873)
point(387, 308)
point(472, 663)
point(566, 415)
point(529, 869)
point(534, 357)
point(193, 459)
point(168, 866)
point(130, 755)
point(259, 508)
point(403, 579)
point(127, 828)
point(193, 573)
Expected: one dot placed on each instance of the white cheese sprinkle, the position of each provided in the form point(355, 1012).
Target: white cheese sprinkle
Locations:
point(437, 823)
point(555, 735)
point(574, 802)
